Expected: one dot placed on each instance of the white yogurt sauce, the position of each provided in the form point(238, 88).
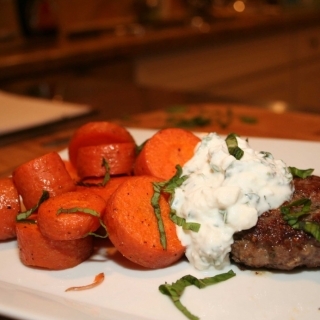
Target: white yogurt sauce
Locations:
point(226, 195)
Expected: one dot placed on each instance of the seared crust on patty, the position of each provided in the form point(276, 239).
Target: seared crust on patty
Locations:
point(273, 244)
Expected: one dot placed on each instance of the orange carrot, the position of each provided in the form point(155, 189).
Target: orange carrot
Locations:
point(9, 208)
point(95, 133)
point(119, 159)
point(36, 250)
point(163, 151)
point(133, 228)
point(56, 224)
point(72, 171)
point(47, 172)
point(104, 191)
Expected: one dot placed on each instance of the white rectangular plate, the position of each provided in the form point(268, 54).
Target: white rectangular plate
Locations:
point(130, 292)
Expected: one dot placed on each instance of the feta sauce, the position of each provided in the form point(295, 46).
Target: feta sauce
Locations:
point(225, 195)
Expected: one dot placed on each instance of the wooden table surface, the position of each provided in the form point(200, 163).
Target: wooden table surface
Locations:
point(246, 121)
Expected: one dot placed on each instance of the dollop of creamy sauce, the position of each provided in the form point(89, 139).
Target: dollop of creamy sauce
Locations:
point(225, 195)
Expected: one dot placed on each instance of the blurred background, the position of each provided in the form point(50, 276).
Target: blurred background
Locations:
point(105, 53)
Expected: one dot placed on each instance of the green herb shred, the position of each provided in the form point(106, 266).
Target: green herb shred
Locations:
point(248, 119)
point(224, 120)
point(24, 215)
point(167, 186)
point(87, 211)
point(197, 121)
point(176, 289)
point(105, 180)
point(106, 177)
point(181, 222)
point(233, 147)
point(294, 211)
point(300, 173)
point(157, 211)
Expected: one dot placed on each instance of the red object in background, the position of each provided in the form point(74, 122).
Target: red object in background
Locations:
point(38, 17)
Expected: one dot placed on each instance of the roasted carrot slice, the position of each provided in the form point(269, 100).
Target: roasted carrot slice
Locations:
point(9, 208)
point(104, 191)
point(133, 227)
point(118, 157)
point(71, 215)
point(36, 250)
point(163, 151)
point(95, 133)
point(72, 171)
point(47, 172)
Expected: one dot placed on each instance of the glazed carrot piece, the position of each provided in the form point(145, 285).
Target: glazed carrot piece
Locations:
point(163, 151)
point(72, 171)
point(9, 208)
point(56, 224)
point(119, 159)
point(95, 133)
point(133, 228)
point(104, 191)
point(36, 250)
point(47, 172)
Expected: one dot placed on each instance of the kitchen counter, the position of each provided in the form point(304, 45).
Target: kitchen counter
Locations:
point(28, 57)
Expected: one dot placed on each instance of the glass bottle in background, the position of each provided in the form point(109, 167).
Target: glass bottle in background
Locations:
point(38, 17)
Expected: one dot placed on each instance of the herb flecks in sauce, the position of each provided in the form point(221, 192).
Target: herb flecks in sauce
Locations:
point(229, 186)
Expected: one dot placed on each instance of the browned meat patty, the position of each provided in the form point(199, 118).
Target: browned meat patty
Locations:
point(273, 244)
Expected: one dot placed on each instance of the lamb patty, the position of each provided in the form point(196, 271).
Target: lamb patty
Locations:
point(273, 244)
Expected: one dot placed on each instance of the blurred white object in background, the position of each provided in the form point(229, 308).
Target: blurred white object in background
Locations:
point(19, 112)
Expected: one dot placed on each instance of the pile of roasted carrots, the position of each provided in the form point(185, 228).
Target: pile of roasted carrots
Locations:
point(55, 208)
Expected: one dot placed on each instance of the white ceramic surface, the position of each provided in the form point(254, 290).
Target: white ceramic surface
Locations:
point(129, 292)
point(20, 112)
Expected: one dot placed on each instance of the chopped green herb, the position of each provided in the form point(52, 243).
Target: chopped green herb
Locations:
point(294, 211)
point(176, 289)
point(248, 119)
point(157, 211)
point(310, 227)
point(176, 181)
point(181, 222)
point(167, 186)
point(87, 211)
point(105, 180)
point(233, 147)
point(197, 121)
point(300, 173)
point(26, 214)
point(266, 154)
point(291, 213)
point(106, 177)
point(228, 119)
